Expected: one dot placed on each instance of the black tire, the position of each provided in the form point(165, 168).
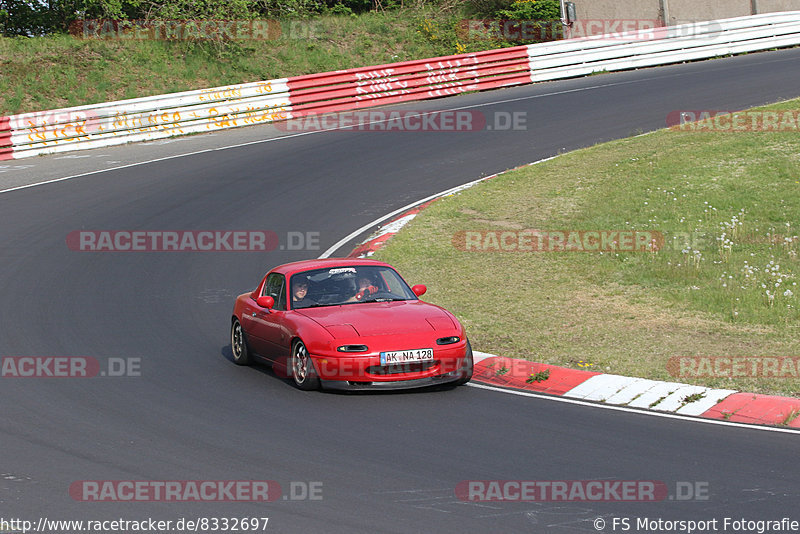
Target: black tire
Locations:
point(303, 372)
point(239, 348)
point(466, 370)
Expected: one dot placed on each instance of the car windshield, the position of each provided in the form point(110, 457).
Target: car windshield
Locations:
point(347, 285)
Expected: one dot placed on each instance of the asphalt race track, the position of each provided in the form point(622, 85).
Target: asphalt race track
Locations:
point(385, 462)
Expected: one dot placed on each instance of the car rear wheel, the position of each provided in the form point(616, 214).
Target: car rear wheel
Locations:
point(241, 353)
point(303, 372)
point(466, 369)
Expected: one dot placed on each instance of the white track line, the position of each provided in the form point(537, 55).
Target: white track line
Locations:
point(632, 410)
point(355, 233)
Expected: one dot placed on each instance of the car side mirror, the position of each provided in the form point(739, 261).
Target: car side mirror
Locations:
point(419, 289)
point(265, 302)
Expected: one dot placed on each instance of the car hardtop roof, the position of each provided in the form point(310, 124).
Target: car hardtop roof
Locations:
point(327, 263)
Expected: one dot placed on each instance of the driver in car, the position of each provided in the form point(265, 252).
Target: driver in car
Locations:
point(300, 295)
point(365, 289)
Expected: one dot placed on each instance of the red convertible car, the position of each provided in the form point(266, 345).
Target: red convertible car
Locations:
point(348, 324)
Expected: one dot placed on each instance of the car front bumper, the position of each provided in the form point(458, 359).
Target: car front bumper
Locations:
point(413, 383)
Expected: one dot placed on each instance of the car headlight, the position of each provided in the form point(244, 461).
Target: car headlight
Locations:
point(448, 340)
point(352, 348)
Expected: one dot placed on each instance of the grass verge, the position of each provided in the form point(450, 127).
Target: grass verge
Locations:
point(724, 284)
point(61, 70)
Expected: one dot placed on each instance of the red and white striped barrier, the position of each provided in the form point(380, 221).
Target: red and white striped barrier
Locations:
point(641, 393)
point(155, 117)
point(149, 118)
point(142, 119)
point(409, 80)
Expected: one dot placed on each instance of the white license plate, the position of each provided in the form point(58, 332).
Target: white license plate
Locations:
point(406, 356)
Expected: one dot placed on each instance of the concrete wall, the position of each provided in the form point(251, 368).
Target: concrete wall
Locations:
point(682, 11)
point(616, 9)
point(770, 6)
point(678, 11)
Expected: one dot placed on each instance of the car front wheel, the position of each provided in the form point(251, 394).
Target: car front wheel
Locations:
point(303, 372)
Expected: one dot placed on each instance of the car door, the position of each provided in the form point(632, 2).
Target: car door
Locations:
point(269, 325)
point(252, 323)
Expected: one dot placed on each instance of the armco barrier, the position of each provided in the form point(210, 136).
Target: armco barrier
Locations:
point(410, 80)
point(687, 42)
point(143, 119)
point(155, 117)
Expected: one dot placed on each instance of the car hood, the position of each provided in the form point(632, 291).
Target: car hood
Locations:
point(380, 318)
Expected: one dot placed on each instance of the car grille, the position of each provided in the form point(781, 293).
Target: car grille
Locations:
point(402, 368)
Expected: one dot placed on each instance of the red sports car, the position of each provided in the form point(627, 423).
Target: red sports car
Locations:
point(348, 324)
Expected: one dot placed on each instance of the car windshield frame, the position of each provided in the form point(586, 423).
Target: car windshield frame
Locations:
point(347, 284)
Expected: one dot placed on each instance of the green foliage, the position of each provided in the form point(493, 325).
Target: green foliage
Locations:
point(445, 34)
point(22, 18)
point(541, 376)
point(43, 17)
point(531, 10)
point(487, 8)
point(35, 18)
point(201, 9)
point(58, 70)
point(536, 21)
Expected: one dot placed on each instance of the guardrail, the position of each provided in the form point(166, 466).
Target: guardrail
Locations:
point(155, 117)
point(142, 119)
point(673, 44)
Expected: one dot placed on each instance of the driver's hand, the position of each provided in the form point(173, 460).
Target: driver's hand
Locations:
point(371, 290)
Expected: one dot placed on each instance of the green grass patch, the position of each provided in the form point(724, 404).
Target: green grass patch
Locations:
point(61, 70)
point(724, 284)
